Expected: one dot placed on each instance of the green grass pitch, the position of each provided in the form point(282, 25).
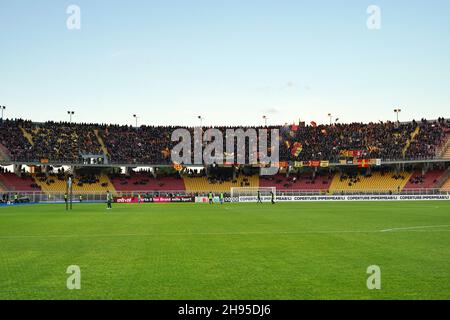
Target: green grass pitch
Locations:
point(233, 251)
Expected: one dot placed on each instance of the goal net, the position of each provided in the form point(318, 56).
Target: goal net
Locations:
point(250, 194)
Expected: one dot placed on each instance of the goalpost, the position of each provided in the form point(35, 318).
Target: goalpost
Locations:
point(250, 194)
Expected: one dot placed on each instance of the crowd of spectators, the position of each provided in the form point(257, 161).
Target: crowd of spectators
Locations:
point(374, 140)
point(146, 144)
point(67, 142)
point(431, 136)
point(13, 141)
point(62, 141)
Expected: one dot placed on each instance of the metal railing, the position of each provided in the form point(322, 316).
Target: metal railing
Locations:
point(58, 197)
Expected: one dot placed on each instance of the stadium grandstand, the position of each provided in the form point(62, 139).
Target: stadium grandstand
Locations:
point(390, 157)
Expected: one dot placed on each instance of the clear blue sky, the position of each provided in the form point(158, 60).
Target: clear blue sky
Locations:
point(230, 61)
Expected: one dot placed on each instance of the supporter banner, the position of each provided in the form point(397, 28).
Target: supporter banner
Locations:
point(298, 164)
point(283, 164)
point(363, 163)
point(315, 163)
point(325, 164)
point(351, 153)
point(347, 198)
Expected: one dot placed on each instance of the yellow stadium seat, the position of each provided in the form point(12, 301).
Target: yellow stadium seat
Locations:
point(376, 183)
point(60, 186)
point(446, 186)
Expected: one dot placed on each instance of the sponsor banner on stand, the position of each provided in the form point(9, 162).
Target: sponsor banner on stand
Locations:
point(347, 198)
point(201, 199)
point(159, 199)
point(173, 199)
point(125, 199)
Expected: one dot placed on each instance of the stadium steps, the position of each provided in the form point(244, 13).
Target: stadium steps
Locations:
point(408, 143)
point(201, 184)
point(27, 135)
point(446, 186)
point(2, 187)
point(102, 143)
point(4, 153)
point(376, 183)
point(446, 152)
point(60, 185)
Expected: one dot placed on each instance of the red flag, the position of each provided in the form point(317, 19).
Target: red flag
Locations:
point(363, 163)
point(314, 124)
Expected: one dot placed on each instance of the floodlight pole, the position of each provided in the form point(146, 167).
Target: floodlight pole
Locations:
point(2, 108)
point(70, 113)
point(397, 111)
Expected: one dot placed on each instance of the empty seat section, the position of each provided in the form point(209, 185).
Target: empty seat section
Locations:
point(203, 185)
point(146, 182)
point(376, 182)
point(13, 182)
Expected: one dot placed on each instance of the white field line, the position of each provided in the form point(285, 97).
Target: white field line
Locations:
point(414, 228)
point(156, 234)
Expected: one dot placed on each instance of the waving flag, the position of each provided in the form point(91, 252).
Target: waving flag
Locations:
point(177, 166)
point(297, 148)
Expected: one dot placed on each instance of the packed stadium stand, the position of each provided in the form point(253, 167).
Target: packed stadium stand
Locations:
point(376, 181)
point(67, 142)
point(146, 182)
point(60, 141)
point(349, 153)
point(303, 181)
point(12, 139)
point(4, 153)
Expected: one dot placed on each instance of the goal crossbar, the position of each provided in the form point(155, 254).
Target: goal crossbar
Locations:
point(252, 191)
